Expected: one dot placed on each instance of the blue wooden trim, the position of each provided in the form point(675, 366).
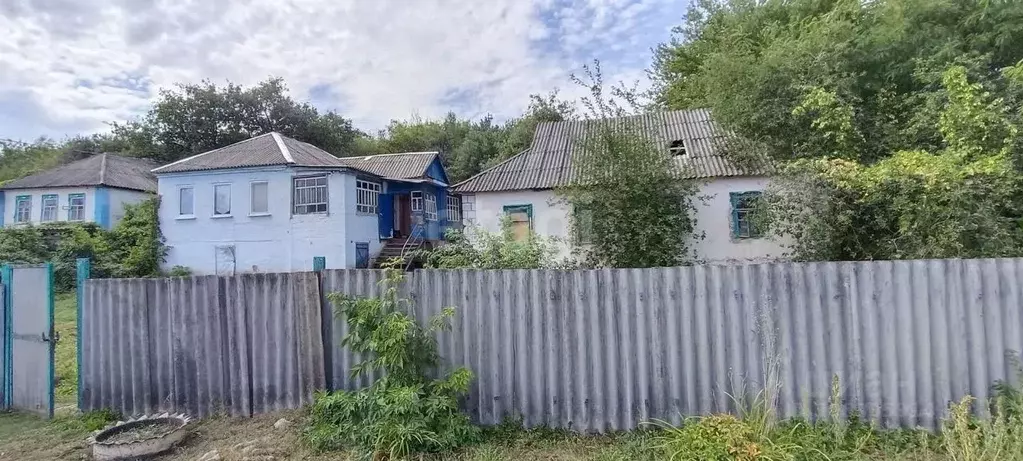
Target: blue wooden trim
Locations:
point(17, 201)
point(319, 263)
point(51, 372)
point(101, 211)
point(3, 205)
point(7, 275)
point(42, 206)
point(83, 270)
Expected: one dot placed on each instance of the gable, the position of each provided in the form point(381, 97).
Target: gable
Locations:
point(436, 171)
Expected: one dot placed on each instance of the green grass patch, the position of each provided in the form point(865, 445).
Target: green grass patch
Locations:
point(65, 315)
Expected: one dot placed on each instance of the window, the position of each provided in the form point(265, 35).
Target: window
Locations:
point(186, 202)
point(76, 207)
point(362, 255)
point(367, 194)
point(520, 219)
point(23, 208)
point(454, 207)
point(743, 223)
point(222, 200)
point(583, 217)
point(677, 148)
point(417, 201)
point(310, 195)
point(430, 211)
point(49, 212)
point(258, 203)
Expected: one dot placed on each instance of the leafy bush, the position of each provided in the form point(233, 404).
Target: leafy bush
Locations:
point(405, 411)
point(476, 248)
point(716, 437)
point(180, 271)
point(969, 439)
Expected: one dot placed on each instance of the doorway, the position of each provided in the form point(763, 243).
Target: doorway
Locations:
point(402, 215)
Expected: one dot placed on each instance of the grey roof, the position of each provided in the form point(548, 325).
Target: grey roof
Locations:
point(269, 149)
point(408, 165)
point(97, 170)
point(548, 161)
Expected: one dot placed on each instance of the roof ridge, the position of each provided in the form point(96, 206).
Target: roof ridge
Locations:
point(425, 152)
point(154, 170)
point(284, 149)
point(502, 162)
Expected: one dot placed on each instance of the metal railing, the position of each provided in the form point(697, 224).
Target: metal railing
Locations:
point(412, 244)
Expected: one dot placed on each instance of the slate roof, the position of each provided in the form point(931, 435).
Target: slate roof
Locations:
point(269, 149)
point(97, 170)
point(548, 161)
point(408, 165)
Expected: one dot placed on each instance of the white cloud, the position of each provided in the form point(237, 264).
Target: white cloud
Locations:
point(71, 65)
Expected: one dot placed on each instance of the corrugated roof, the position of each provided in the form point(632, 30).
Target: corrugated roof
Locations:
point(262, 150)
point(548, 161)
point(408, 165)
point(98, 170)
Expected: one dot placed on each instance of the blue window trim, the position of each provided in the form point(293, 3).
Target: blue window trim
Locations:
point(17, 201)
point(734, 198)
point(71, 197)
point(528, 208)
point(42, 207)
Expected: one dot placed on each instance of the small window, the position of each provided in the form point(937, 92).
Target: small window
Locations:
point(76, 207)
point(222, 200)
point(49, 212)
point(520, 219)
point(677, 147)
point(367, 195)
point(583, 216)
point(186, 202)
point(258, 203)
point(309, 195)
point(23, 209)
point(430, 210)
point(361, 255)
point(743, 207)
point(417, 201)
point(454, 207)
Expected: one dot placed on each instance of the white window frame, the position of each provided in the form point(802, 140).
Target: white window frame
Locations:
point(430, 206)
point(52, 209)
point(417, 201)
point(252, 196)
point(73, 209)
point(191, 213)
point(454, 208)
point(305, 195)
point(22, 216)
point(229, 200)
point(367, 196)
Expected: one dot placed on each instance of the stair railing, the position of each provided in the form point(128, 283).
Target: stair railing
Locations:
point(414, 241)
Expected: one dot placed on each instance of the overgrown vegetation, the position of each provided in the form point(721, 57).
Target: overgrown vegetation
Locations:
point(477, 248)
point(406, 410)
point(133, 248)
point(632, 206)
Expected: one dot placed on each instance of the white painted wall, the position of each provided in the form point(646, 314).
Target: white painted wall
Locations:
point(118, 199)
point(551, 218)
point(11, 196)
point(278, 242)
point(359, 227)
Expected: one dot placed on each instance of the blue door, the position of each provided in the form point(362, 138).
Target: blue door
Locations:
point(386, 210)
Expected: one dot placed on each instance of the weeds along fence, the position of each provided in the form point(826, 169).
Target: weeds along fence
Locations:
point(589, 350)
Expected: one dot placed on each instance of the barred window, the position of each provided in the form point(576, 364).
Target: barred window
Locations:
point(454, 209)
point(310, 195)
point(367, 195)
point(431, 207)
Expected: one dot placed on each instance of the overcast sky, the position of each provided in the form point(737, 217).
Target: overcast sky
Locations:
point(69, 66)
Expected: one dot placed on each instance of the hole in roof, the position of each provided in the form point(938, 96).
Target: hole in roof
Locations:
point(677, 148)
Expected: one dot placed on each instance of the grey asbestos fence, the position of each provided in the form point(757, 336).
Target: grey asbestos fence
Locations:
point(242, 344)
point(608, 349)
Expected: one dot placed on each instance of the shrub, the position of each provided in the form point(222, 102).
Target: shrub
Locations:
point(476, 248)
point(717, 438)
point(968, 439)
point(180, 271)
point(404, 412)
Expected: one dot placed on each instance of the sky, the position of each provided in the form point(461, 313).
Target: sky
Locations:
point(71, 66)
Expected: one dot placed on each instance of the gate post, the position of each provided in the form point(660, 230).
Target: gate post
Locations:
point(83, 270)
point(7, 275)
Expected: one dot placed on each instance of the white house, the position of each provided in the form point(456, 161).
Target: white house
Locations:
point(273, 204)
point(94, 189)
point(523, 187)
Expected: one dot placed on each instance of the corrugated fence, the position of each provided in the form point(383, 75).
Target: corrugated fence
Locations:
point(607, 349)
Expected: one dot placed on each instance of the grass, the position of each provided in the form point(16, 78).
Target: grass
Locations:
point(65, 316)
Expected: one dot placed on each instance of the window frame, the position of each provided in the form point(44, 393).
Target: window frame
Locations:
point(583, 235)
point(678, 148)
point(295, 194)
point(17, 210)
point(43, 207)
point(252, 195)
point(416, 200)
point(71, 206)
point(191, 214)
point(455, 200)
point(741, 214)
point(369, 190)
point(527, 207)
point(430, 206)
point(230, 199)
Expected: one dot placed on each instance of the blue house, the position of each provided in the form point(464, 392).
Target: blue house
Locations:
point(272, 203)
